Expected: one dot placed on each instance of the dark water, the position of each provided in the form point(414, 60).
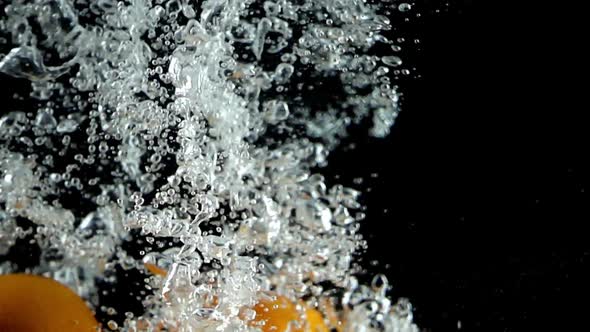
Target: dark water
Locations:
point(484, 179)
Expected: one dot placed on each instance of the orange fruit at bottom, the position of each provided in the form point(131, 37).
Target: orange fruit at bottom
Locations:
point(277, 315)
point(30, 303)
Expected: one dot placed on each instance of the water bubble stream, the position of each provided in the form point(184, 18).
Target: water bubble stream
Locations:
point(195, 130)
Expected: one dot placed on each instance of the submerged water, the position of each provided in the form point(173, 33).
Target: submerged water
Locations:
point(195, 130)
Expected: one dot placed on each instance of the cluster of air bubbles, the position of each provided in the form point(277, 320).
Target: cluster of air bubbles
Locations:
point(194, 131)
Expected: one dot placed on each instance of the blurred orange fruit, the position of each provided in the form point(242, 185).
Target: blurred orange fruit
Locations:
point(31, 303)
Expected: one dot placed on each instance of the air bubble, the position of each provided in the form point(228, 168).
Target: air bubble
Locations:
point(276, 111)
point(45, 120)
point(67, 126)
point(404, 7)
point(391, 60)
point(283, 72)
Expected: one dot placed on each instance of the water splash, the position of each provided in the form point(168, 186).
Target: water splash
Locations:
point(195, 127)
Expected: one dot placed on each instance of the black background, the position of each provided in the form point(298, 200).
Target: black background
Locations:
point(478, 212)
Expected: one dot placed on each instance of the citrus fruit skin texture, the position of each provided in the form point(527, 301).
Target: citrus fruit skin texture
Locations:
point(31, 303)
point(155, 270)
point(277, 314)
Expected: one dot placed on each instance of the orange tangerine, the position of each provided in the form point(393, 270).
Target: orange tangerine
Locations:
point(276, 315)
point(30, 303)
